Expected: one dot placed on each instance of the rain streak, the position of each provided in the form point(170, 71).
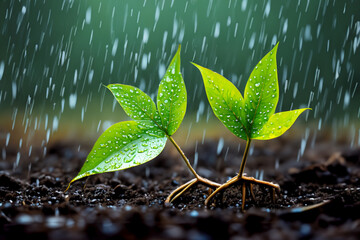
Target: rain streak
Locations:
point(54, 69)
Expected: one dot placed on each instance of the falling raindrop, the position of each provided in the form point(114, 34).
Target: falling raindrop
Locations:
point(145, 35)
point(2, 67)
point(88, 15)
point(72, 100)
point(144, 62)
point(115, 47)
point(55, 124)
point(217, 30)
point(220, 146)
point(243, 5)
point(14, 90)
point(267, 9)
point(252, 40)
point(307, 34)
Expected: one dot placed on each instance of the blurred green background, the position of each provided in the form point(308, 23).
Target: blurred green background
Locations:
point(55, 57)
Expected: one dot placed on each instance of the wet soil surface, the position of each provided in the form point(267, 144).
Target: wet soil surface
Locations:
point(319, 198)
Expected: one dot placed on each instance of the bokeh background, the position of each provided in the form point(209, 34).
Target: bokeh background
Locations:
point(56, 57)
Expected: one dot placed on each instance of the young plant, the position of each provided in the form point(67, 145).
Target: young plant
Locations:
point(132, 143)
point(251, 117)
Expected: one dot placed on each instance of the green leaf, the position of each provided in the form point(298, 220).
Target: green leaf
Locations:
point(278, 124)
point(252, 117)
point(261, 93)
point(123, 145)
point(225, 100)
point(137, 104)
point(171, 99)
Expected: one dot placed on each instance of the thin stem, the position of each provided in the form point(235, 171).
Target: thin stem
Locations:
point(184, 157)
point(243, 162)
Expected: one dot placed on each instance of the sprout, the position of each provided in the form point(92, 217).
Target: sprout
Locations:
point(144, 138)
point(251, 117)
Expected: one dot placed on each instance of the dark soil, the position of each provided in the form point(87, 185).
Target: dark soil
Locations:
point(319, 199)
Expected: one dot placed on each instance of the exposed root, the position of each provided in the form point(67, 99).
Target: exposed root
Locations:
point(183, 188)
point(245, 182)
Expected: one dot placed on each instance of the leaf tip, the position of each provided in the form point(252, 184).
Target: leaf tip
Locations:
point(200, 68)
point(275, 47)
point(194, 64)
point(179, 49)
point(176, 59)
point(304, 109)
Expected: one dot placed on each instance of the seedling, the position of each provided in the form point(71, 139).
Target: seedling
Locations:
point(132, 143)
point(251, 117)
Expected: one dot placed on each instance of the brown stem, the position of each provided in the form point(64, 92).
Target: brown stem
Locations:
point(198, 179)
